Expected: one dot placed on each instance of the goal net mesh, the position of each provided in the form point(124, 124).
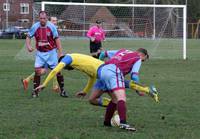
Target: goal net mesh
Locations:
point(159, 28)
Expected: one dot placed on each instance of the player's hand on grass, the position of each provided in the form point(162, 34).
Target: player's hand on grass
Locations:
point(80, 94)
point(39, 88)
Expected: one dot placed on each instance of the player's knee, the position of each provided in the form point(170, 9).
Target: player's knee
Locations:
point(59, 74)
point(39, 71)
point(120, 95)
point(121, 99)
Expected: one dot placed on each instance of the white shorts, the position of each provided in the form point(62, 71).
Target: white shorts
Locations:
point(46, 59)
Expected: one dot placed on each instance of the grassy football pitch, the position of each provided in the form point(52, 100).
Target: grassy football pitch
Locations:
point(53, 117)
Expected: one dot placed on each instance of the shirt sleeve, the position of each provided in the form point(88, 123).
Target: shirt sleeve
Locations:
point(135, 71)
point(32, 30)
point(57, 69)
point(67, 60)
point(102, 55)
point(90, 32)
point(111, 53)
point(89, 85)
point(54, 30)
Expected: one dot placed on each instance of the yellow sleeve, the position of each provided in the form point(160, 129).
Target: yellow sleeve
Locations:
point(138, 87)
point(57, 69)
point(89, 85)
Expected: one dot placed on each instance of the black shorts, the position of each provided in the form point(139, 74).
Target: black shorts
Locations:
point(95, 46)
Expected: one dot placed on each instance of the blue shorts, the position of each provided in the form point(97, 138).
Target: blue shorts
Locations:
point(46, 59)
point(110, 78)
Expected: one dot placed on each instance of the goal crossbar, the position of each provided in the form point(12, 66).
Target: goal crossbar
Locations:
point(113, 5)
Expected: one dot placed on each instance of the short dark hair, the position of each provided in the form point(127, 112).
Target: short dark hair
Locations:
point(144, 51)
point(43, 12)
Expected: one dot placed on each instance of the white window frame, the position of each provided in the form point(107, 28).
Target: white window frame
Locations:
point(24, 20)
point(6, 6)
point(26, 5)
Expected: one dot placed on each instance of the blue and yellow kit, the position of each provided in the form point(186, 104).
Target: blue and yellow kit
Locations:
point(81, 62)
point(88, 65)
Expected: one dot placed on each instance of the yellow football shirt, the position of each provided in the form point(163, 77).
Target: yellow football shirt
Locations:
point(83, 63)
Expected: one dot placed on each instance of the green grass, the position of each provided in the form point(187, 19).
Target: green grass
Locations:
point(53, 117)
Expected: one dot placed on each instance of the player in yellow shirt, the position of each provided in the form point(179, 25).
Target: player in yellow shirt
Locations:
point(86, 64)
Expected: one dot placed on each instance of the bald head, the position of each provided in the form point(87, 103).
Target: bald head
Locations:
point(43, 18)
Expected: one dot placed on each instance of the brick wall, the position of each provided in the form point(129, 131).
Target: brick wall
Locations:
point(14, 15)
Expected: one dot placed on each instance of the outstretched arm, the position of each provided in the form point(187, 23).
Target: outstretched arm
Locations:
point(137, 87)
point(28, 44)
point(109, 54)
point(87, 88)
point(57, 69)
point(59, 47)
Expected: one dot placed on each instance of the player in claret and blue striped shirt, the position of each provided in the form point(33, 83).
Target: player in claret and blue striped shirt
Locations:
point(47, 45)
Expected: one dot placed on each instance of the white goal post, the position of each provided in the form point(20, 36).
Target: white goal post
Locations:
point(183, 7)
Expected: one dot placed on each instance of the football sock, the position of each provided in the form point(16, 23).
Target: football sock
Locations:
point(30, 77)
point(36, 82)
point(138, 87)
point(60, 80)
point(109, 112)
point(121, 108)
point(103, 101)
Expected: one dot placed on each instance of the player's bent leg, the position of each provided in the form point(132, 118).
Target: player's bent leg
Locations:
point(40, 71)
point(52, 62)
point(105, 101)
point(120, 96)
point(96, 98)
point(138, 87)
point(60, 80)
point(151, 91)
point(121, 108)
point(26, 81)
point(56, 87)
point(110, 110)
point(36, 82)
point(30, 77)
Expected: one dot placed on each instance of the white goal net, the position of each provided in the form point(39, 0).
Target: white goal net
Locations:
point(157, 24)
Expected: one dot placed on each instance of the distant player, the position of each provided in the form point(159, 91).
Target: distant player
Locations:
point(47, 45)
point(91, 66)
point(96, 34)
point(26, 81)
